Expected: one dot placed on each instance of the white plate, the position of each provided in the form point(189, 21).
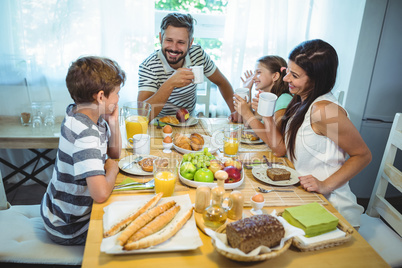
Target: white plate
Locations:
point(192, 121)
point(136, 168)
point(187, 238)
point(208, 142)
point(260, 172)
point(195, 184)
point(251, 142)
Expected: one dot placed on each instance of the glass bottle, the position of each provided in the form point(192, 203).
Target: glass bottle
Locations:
point(216, 214)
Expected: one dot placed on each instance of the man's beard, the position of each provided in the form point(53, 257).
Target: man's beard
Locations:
point(177, 52)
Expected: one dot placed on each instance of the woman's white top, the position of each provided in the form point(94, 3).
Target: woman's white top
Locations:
point(320, 157)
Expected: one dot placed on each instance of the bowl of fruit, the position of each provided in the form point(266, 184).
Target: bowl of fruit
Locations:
point(198, 169)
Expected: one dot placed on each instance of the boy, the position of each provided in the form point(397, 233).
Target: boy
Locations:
point(90, 134)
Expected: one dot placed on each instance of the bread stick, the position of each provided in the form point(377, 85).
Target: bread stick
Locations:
point(126, 221)
point(154, 226)
point(142, 220)
point(162, 237)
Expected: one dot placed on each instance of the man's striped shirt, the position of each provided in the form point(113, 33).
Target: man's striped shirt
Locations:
point(155, 70)
point(66, 205)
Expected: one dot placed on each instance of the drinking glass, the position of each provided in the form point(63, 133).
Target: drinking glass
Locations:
point(136, 117)
point(231, 140)
point(165, 174)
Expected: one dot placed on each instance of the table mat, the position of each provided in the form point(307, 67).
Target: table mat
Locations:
point(299, 197)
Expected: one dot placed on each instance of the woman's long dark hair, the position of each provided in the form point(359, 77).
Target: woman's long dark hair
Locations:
point(320, 62)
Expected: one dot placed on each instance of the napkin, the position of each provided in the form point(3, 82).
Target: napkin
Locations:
point(221, 240)
point(187, 238)
point(313, 218)
point(335, 234)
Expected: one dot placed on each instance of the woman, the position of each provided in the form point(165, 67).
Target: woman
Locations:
point(268, 77)
point(316, 133)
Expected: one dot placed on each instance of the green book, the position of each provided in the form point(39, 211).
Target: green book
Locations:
point(313, 218)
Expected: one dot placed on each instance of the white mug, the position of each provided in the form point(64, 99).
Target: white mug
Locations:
point(243, 92)
point(266, 104)
point(141, 144)
point(198, 74)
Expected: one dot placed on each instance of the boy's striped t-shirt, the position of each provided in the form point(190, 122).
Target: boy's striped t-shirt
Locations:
point(66, 205)
point(154, 71)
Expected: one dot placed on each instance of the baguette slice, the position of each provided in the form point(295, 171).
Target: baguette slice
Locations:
point(154, 226)
point(126, 221)
point(162, 237)
point(142, 220)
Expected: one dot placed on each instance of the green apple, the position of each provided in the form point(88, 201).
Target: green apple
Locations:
point(204, 175)
point(187, 170)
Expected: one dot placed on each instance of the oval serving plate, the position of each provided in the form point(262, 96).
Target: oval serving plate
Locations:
point(135, 169)
point(260, 173)
point(207, 143)
point(195, 184)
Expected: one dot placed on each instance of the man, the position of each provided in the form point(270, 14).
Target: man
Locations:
point(165, 80)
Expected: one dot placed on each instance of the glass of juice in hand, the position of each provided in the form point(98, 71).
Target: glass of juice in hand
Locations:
point(231, 140)
point(165, 175)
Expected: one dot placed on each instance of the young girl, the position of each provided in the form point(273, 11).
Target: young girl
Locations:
point(316, 133)
point(268, 77)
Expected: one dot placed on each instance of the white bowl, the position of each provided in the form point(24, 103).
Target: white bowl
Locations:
point(208, 142)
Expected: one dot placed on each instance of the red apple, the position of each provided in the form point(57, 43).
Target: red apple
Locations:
point(182, 115)
point(235, 163)
point(234, 174)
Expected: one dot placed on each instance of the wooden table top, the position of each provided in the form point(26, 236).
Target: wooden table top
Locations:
point(355, 253)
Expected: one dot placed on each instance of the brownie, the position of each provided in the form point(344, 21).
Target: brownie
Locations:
point(278, 174)
point(250, 233)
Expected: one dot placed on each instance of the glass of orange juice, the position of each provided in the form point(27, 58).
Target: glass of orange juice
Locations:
point(136, 118)
point(165, 175)
point(231, 140)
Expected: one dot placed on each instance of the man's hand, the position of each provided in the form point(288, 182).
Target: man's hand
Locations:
point(181, 78)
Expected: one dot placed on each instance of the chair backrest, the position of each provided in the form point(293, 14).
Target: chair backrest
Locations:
point(388, 174)
point(203, 94)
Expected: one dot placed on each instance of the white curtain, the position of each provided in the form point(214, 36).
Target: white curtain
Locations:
point(39, 40)
point(255, 28)
point(46, 36)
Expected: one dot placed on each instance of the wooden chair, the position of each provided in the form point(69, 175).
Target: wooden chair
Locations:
point(24, 239)
point(387, 242)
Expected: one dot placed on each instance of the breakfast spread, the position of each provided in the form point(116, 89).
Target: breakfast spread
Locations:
point(249, 233)
point(278, 174)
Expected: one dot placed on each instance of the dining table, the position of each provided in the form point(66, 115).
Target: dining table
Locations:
point(41, 142)
point(356, 252)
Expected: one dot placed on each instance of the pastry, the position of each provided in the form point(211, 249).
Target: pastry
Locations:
point(170, 119)
point(250, 233)
point(278, 174)
point(196, 142)
point(147, 164)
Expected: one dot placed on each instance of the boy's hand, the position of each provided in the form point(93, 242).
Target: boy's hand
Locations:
point(114, 116)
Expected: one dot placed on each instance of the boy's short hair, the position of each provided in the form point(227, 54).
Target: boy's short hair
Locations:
point(176, 19)
point(89, 75)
